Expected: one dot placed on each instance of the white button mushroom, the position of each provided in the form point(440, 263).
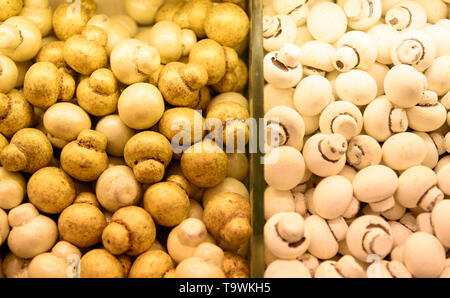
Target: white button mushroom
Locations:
point(316, 56)
point(369, 235)
point(363, 151)
point(312, 95)
point(285, 127)
point(277, 31)
point(285, 235)
point(384, 37)
point(406, 15)
point(414, 48)
point(342, 118)
point(376, 185)
point(438, 75)
point(362, 14)
point(357, 87)
point(287, 269)
point(428, 115)
point(404, 86)
point(332, 196)
point(284, 167)
point(355, 49)
point(404, 150)
point(327, 22)
point(325, 154)
point(282, 68)
point(323, 243)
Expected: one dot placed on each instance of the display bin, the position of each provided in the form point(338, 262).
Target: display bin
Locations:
point(255, 94)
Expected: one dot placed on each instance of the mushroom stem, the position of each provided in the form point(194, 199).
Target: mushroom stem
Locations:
point(383, 205)
point(410, 51)
point(332, 147)
point(431, 198)
point(290, 228)
point(276, 134)
point(345, 125)
point(399, 18)
point(354, 8)
point(289, 55)
point(398, 121)
point(10, 37)
point(376, 241)
point(346, 58)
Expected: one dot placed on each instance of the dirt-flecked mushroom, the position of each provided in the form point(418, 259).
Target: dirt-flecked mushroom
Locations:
point(167, 202)
point(50, 190)
point(99, 263)
point(227, 217)
point(10, 8)
point(85, 159)
point(85, 52)
point(204, 164)
point(15, 113)
point(148, 154)
point(99, 93)
point(151, 264)
point(131, 231)
point(235, 266)
point(81, 224)
point(28, 151)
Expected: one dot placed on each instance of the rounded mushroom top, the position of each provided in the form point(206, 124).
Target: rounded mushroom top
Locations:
point(285, 235)
point(277, 31)
point(375, 183)
point(10, 8)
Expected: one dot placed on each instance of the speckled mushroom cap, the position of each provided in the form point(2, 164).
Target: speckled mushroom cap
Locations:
point(417, 187)
point(204, 164)
point(211, 55)
point(28, 151)
point(227, 185)
point(131, 231)
point(323, 244)
point(51, 190)
point(424, 255)
point(10, 8)
point(287, 269)
point(99, 263)
point(325, 155)
point(285, 235)
point(440, 220)
point(180, 83)
point(235, 266)
point(151, 264)
point(148, 153)
point(284, 167)
point(376, 185)
point(167, 202)
point(227, 217)
point(185, 121)
point(368, 235)
point(382, 119)
point(12, 189)
point(85, 159)
point(227, 23)
point(404, 150)
point(16, 113)
point(81, 224)
point(90, 44)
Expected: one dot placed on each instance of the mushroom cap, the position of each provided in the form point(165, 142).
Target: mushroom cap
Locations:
point(287, 269)
point(99, 263)
point(151, 264)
